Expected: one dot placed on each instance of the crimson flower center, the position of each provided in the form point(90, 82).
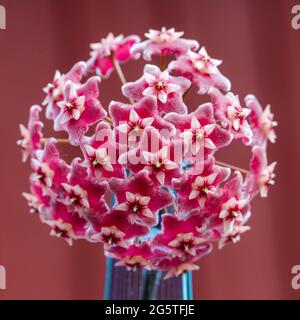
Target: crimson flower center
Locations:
point(61, 233)
point(159, 86)
point(110, 238)
point(76, 199)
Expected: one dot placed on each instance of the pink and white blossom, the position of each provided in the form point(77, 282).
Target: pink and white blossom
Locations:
point(32, 134)
point(101, 153)
point(79, 109)
point(262, 121)
point(139, 199)
point(163, 42)
point(109, 48)
point(130, 120)
point(261, 175)
point(201, 70)
point(54, 90)
point(232, 115)
point(168, 90)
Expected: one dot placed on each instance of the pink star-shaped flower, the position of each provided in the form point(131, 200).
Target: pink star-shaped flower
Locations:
point(159, 156)
point(200, 190)
point(101, 153)
point(135, 256)
point(167, 89)
point(139, 199)
point(54, 90)
point(82, 194)
point(101, 60)
point(234, 203)
point(262, 122)
point(64, 223)
point(31, 136)
point(62, 230)
point(261, 175)
point(199, 131)
point(201, 70)
point(160, 86)
point(36, 199)
point(137, 206)
point(234, 236)
point(163, 42)
point(114, 229)
point(131, 119)
point(176, 266)
point(232, 211)
point(50, 170)
point(181, 236)
point(159, 165)
point(232, 115)
point(79, 109)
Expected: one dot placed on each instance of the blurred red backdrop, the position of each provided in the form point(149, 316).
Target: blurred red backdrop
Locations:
point(261, 56)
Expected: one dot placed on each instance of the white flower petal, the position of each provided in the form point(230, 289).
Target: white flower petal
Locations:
point(133, 116)
point(195, 124)
point(144, 200)
point(150, 91)
point(122, 207)
point(164, 76)
point(147, 122)
point(208, 143)
point(209, 128)
point(130, 197)
point(89, 150)
point(162, 96)
point(160, 176)
point(211, 178)
point(150, 79)
point(170, 165)
point(194, 194)
point(172, 87)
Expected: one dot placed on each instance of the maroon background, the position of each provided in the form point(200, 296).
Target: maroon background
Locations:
point(261, 55)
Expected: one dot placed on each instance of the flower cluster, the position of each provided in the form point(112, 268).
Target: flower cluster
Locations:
point(148, 183)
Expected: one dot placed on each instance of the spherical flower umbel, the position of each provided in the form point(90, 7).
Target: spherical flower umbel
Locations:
point(157, 163)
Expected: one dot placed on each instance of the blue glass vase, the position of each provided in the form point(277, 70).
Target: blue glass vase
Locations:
point(121, 284)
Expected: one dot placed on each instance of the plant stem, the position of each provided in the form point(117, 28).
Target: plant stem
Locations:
point(163, 62)
point(120, 73)
point(108, 119)
point(187, 92)
point(224, 164)
point(62, 141)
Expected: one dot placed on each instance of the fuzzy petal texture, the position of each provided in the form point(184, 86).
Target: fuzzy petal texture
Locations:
point(130, 120)
point(163, 42)
point(168, 90)
point(261, 121)
point(32, 134)
point(140, 185)
point(54, 90)
point(101, 153)
point(79, 110)
point(187, 65)
point(101, 60)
